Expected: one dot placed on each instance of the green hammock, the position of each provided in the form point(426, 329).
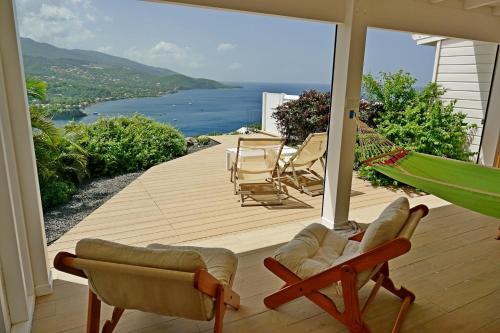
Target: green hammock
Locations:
point(465, 184)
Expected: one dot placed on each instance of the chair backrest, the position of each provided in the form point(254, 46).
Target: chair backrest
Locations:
point(257, 155)
point(313, 148)
point(151, 280)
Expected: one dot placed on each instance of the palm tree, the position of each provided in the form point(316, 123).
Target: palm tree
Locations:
point(60, 162)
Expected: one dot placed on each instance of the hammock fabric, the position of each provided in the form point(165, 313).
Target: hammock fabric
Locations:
point(465, 184)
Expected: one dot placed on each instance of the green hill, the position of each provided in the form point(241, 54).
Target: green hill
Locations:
point(77, 78)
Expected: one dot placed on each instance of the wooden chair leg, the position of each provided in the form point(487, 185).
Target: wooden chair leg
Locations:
point(352, 312)
point(93, 313)
point(110, 325)
point(220, 309)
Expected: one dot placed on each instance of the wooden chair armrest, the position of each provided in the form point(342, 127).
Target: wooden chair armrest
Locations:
point(208, 284)
point(62, 262)
point(424, 208)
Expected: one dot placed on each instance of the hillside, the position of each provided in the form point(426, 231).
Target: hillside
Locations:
point(77, 78)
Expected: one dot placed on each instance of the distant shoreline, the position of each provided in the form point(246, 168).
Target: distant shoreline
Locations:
point(78, 114)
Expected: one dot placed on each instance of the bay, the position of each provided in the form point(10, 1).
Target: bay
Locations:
point(200, 111)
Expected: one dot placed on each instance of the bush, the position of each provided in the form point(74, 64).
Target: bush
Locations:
point(416, 120)
point(56, 192)
point(203, 140)
point(121, 145)
point(309, 114)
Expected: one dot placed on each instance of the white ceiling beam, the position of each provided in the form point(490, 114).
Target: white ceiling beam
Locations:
point(473, 4)
point(316, 10)
point(423, 17)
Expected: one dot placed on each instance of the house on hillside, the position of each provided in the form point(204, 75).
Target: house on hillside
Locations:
point(465, 69)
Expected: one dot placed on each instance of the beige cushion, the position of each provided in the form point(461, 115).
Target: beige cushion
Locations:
point(387, 225)
point(221, 263)
point(317, 248)
point(172, 294)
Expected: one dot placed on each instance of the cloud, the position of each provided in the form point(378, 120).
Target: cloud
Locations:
point(234, 66)
point(225, 47)
point(64, 23)
point(105, 49)
point(107, 18)
point(166, 54)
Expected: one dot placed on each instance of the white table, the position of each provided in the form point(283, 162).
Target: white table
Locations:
point(231, 153)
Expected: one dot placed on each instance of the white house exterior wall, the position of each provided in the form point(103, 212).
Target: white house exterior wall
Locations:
point(465, 69)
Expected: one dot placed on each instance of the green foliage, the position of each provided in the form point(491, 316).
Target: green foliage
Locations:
point(60, 162)
point(416, 120)
point(255, 126)
point(309, 114)
point(203, 140)
point(120, 145)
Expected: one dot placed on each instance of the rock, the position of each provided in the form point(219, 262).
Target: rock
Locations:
point(243, 130)
point(190, 141)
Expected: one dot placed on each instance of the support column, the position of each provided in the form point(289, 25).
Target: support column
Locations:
point(23, 157)
point(346, 92)
point(490, 140)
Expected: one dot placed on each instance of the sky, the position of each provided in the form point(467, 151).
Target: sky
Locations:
point(225, 46)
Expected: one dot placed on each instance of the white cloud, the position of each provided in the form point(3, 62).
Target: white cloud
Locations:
point(107, 18)
point(234, 66)
point(167, 54)
point(226, 47)
point(105, 49)
point(61, 22)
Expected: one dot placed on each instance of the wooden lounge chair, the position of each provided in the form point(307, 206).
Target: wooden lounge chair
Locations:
point(253, 171)
point(188, 282)
point(311, 151)
point(326, 268)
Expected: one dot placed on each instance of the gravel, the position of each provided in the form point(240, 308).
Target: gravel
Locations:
point(89, 197)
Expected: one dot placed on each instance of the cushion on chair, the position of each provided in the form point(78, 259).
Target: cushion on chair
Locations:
point(387, 225)
point(172, 294)
point(317, 248)
point(220, 262)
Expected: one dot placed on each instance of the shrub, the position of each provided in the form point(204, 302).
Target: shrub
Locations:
point(415, 120)
point(297, 119)
point(56, 192)
point(121, 145)
point(203, 140)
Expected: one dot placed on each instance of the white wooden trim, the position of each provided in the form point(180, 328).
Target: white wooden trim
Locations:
point(348, 71)
point(23, 144)
point(436, 61)
point(491, 133)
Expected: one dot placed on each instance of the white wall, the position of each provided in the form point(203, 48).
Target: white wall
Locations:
point(465, 69)
point(269, 103)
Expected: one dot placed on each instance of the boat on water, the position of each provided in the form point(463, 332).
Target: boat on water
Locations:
point(95, 113)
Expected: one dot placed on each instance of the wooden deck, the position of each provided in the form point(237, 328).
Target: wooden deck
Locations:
point(453, 269)
point(190, 200)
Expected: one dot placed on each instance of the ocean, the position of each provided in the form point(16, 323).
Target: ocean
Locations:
point(200, 111)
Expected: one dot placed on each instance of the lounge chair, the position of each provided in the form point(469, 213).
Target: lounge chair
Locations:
point(327, 268)
point(187, 282)
point(311, 151)
point(253, 171)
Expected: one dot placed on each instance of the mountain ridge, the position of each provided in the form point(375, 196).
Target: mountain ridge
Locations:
point(77, 78)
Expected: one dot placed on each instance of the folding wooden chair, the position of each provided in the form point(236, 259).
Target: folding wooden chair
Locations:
point(187, 282)
point(253, 171)
point(352, 269)
point(311, 151)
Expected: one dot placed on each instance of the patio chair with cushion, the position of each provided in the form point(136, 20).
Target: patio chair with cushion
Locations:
point(328, 268)
point(311, 151)
point(255, 171)
point(179, 281)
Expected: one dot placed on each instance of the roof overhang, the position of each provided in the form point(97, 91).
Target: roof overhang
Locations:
point(450, 18)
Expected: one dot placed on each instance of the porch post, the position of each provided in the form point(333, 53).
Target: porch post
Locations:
point(490, 141)
point(346, 91)
point(23, 157)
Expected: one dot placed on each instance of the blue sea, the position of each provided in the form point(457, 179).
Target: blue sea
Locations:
point(200, 111)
